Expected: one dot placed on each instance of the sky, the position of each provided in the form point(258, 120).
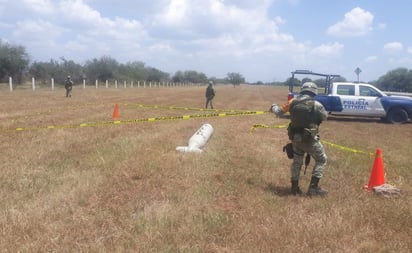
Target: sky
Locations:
point(263, 40)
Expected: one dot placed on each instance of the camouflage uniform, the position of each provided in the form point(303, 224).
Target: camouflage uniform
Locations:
point(68, 86)
point(305, 138)
point(210, 94)
point(308, 142)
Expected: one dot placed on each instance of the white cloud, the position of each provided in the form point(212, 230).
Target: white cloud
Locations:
point(199, 18)
point(175, 13)
point(220, 28)
point(181, 34)
point(279, 20)
point(77, 12)
point(371, 59)
point(36, 30)
point(44, 7)
point(328, 50)
point(393, 47)
point(211, 36)
point(5, 25)
point(161, 48)
point(357, 22)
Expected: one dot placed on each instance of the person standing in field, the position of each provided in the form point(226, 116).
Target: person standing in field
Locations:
point(306, 115)
point(68, 86)
point(210, 94)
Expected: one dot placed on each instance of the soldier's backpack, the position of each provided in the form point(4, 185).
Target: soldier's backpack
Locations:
point(302, 113)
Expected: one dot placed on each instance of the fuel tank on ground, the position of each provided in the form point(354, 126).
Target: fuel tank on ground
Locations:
point(198, 140)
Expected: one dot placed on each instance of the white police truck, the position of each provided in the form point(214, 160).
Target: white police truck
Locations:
point(360, 100)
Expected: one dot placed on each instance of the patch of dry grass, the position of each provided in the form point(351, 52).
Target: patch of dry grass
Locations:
point(124, 188)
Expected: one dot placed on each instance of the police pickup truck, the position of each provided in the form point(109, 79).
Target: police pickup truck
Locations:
point(363, 100)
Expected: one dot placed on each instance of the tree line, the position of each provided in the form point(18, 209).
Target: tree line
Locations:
point(15, 63)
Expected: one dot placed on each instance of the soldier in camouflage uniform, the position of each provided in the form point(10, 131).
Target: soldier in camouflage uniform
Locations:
point(210, 94)
point(306, 114)
point(68, 86)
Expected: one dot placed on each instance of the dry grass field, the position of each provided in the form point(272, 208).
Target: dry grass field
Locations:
point(104, 187)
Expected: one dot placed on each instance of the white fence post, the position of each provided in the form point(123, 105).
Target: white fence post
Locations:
point(52, 83)
point(124, 84)
point(115, 84)
point(97, 83)
point(84, 83)
point(11, 83)
point(107, 84)
point(33, 84)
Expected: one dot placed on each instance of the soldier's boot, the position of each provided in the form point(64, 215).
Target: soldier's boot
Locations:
point(314, 189)
point(295, 190)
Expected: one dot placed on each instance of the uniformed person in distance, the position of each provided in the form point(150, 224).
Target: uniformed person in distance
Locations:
point(210, 94)
point(68, 86)
point(306, 115)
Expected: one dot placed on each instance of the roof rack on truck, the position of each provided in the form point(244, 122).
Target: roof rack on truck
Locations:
point(328, 78)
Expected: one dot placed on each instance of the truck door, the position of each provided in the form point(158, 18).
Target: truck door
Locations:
point(371, 100)
point(351, 104)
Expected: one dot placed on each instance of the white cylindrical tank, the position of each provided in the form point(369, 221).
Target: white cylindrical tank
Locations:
point(198, 140)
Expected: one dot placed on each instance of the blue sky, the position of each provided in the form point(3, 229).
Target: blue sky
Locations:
point(264, 40)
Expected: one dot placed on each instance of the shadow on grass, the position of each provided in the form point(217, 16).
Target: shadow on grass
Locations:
point(356, 119)
point(361, 119)
point(280, 191)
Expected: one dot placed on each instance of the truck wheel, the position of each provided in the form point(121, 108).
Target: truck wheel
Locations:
point(397, 116)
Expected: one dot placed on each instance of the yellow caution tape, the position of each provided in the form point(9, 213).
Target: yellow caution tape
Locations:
point(140, 106)
point(353, 150)
point(189, 108)
point(132, 121)
point(252, 129)
point(347, 148)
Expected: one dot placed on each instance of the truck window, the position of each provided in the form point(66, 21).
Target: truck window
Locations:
point(346, 90)
point(367, 91)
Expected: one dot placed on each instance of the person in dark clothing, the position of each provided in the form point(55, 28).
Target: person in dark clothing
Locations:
point(210, 94)
point(68, 86)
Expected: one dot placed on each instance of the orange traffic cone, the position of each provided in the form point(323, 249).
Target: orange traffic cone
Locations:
point(377, 176)
point(116, 112)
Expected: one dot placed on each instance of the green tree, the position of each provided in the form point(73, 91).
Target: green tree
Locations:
point(70, 68)
point(39, 71)
point(14, 61)
point(399, 79)
point(235, 78)
point(190, 76)
point(178, 77)
point(133, 70)
point(101, 69)
point(296, 82)
point(44, 71)
point(156, 75)
point(194, 77)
